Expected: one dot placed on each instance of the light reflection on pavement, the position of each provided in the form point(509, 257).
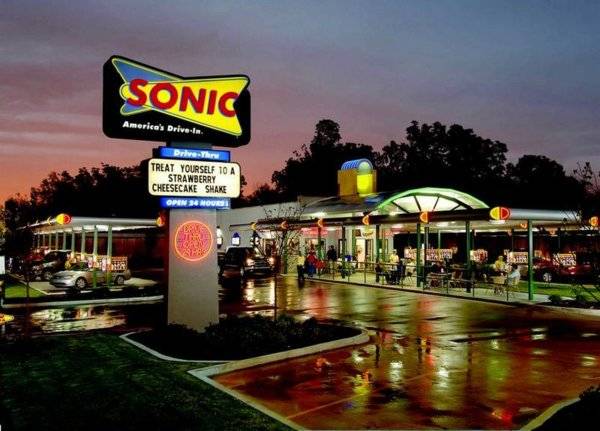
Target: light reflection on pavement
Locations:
point(433, 362)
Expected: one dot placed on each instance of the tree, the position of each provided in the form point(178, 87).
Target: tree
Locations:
point(264, 195)
point(435, 155)
point(312, 171)
point(540, 182)
point(590, 179)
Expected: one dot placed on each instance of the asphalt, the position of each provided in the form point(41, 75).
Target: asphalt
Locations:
point(434, 361)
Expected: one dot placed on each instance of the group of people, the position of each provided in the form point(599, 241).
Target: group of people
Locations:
point(513, 275)
point(309, 264)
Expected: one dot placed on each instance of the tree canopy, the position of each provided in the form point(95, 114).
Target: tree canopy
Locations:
point(430, 155)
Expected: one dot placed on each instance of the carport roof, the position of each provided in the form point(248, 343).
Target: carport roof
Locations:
point(77, 224)
point(398, 202)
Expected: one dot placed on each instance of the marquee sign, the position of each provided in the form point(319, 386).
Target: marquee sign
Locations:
point(193, 241)
point(173, 177)
point(142, 102)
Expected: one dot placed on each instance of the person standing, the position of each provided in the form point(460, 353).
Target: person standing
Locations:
point(311, 263)
point(331, 258)
point(395, 273)
point(300, 261)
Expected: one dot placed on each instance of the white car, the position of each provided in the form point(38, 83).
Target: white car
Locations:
point(80, 276)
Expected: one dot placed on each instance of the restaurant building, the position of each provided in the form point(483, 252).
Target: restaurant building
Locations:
point(426, 227)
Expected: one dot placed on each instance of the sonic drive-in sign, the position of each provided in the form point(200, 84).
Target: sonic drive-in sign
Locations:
point(142, 102)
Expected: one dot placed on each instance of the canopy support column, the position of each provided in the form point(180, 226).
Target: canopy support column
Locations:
point(64, 240)
point(468, 244)
point(95, 257)
point(377, 242)
point(82, 257)
point(109, 244)
point(418, 256)
point(56, 241)
point(425, 248)
point(72, 243)
point(530, 284)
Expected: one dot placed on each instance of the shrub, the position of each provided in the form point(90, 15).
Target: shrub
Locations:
point(581, 299)
point(241, 337)
point(555, 299)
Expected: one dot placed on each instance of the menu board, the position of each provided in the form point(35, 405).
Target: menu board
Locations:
point(433, 254)
point(117, 263)
point(564, 259)
point(480, 255)
point(518, 257)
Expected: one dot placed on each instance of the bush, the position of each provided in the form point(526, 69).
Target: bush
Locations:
point(581, 299)
point(555, 299)
point(241, 337)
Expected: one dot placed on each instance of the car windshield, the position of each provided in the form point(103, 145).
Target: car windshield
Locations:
point(80, 266)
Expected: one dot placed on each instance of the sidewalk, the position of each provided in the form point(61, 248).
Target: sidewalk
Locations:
point(481, 292)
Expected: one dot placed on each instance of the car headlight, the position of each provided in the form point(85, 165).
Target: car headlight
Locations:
point(249, 262)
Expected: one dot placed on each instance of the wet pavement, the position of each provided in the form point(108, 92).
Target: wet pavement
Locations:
point(434, 362)
point(60, 320)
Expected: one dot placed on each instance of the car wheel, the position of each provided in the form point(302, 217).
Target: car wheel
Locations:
point(46, 275)
point(80, 283)
point(547, 277)
point(120, 280)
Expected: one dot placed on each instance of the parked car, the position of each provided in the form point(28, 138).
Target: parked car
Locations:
point(80, 276)
point(244, 261)
point(52, 262)
point(548, 271)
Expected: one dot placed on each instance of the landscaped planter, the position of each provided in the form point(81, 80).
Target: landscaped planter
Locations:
point(240, 338)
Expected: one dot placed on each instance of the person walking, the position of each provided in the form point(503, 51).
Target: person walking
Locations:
point(300, 262)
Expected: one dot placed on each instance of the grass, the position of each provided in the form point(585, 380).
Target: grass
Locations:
point(99, 382)
point(15, 289)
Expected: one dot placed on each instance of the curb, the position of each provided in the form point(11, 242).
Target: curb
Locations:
point(546, 414)
point(425, 292)
point(141, 299)
point(160, 355)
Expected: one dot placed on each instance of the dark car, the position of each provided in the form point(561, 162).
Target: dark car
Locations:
point(51, 263)
point(244, 261)
point(584, 269)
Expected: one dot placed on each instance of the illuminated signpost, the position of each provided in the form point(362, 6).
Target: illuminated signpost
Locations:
point(190, 179)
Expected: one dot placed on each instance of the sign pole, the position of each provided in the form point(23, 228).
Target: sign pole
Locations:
point(193, 289)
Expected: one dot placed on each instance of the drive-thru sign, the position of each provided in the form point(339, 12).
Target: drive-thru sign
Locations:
point(167, 177)
point(190, 179)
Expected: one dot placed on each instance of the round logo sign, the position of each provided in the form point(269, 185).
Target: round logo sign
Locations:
point(193, 240)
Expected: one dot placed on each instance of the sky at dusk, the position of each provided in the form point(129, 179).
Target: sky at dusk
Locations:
point(523, 72)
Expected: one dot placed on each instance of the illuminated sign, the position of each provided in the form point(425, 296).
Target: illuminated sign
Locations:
point(320, 223)
point(284, 225)
point(169, 177)
point(500, 213)
point(142, 102)
point(161, 220)
point(193, 241)
point(63, 219)
point(424, 217)
point(366, 220)
point(176, 202)
point(194, 154)
point(594, 221)
point(235, 239)
point(5, 318)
